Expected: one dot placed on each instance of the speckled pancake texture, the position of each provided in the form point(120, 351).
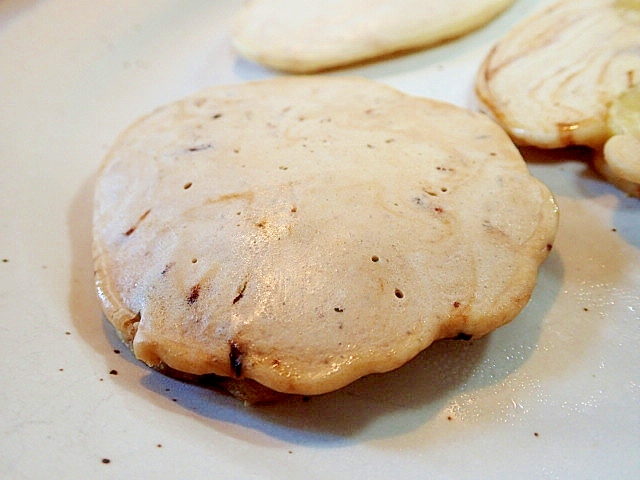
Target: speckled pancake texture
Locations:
point(302, 232)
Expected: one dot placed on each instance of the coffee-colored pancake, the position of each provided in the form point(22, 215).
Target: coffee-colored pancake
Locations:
point(303, 232)
point(308, 36)
point(551, 80)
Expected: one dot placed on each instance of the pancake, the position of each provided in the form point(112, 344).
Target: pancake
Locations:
point(619, 160)
point(551, 80)
point(619, 163)
point(316, 35)
point(295, 234)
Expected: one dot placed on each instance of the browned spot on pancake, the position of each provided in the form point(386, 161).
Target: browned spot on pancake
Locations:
point(193, 294)
point(137, 224)
point(198, 148)
point(235, 359)
point(463, 336)
point(167, 267)
point(241, 291)
point(248, 196)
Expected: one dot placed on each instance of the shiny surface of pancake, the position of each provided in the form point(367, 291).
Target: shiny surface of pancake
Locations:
point(315, 35)
point(305, 232)
point(550, 81)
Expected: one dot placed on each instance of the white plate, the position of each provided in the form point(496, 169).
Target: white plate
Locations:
point(555, 394)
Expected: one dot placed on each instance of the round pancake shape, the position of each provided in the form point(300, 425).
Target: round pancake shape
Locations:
point(316, 35)
point(550, 81)
point(303, 232)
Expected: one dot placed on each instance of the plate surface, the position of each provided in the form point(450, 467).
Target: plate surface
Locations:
point(554, 394)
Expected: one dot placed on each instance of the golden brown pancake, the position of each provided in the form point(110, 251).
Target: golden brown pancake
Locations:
point(551, 80)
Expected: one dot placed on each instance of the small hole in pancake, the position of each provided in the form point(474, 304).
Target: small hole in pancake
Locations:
point(444, 189)
point(194, 260)
point(399, 293)
point(375, 258)
point(187, 185)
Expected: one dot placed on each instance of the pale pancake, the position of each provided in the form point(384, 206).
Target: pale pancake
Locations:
point(619, 160)
point(303, 232)
point(316, 35)
point(550, 81)
point(619, 163)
